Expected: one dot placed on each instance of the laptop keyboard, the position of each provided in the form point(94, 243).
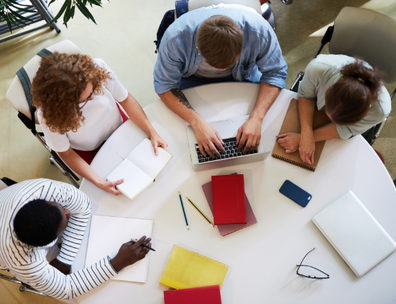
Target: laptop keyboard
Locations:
point(231, 151)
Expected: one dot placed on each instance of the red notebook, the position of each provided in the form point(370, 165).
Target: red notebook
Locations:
point(228, 229)
point(196, 295)
point(228, 193)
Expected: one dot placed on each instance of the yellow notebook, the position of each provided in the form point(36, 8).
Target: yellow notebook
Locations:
point(186, 269)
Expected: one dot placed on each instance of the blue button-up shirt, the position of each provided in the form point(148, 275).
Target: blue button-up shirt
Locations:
point(261, 59)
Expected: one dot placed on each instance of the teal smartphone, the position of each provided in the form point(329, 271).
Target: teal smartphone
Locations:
point(295, 193)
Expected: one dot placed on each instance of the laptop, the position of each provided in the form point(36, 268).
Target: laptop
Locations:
point(354, 233)
point(227, 129)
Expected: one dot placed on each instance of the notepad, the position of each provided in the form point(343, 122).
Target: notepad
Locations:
point(228, 193)
point(228, 229)
point(354, 233)
point(187, 269)
point(291, 123)
point(139, 169)
point(106, 236)
point(197, 295)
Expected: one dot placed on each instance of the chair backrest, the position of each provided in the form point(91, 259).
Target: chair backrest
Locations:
point(16, 95)
point(368, 35)
point(3, 185)
point(194, 4)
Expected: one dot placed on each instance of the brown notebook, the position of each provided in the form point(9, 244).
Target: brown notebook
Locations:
point(291, 123)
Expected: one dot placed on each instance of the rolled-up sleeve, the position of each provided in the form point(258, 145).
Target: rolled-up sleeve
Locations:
point(271, 63)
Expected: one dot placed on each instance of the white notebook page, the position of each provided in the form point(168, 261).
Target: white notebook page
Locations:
point(106, 236)
point(143, 156)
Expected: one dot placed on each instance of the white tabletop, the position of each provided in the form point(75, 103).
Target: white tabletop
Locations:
point(262, 258)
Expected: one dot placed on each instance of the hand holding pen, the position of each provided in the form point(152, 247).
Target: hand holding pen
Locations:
point(130, 253)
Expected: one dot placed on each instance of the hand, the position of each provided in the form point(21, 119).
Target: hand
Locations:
point(157, 141)
point(208, 139)
point(249, 135)
point(130, 253)
point(110, 186)
point(289, 141)
point(65, 269)
point(307, 148)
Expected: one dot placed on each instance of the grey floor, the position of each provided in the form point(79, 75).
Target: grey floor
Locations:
point(124, 39)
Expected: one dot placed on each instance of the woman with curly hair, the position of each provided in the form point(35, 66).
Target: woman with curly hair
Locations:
point(349, 90)
point(76, 99)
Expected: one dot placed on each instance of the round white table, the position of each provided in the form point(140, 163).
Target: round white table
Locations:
point(263, 257)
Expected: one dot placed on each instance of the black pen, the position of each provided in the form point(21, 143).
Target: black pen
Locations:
point(135, 241)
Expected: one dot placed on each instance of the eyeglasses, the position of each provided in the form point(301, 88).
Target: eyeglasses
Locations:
point(88, 98)
point(309, 276)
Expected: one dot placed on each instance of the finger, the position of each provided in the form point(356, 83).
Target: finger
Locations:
point(164, 145)
point(201, 148)
point(239, 135)
point(139, 242)
point(248, 147)
point(118, 182)
point(213, 151)
point(242, 143)
point(281, 135)
point(155, 146)
point(312, 155)
point(221, 143)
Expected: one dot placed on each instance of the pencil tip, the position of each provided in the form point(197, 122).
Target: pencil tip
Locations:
point(179, 192)
point(188, 228)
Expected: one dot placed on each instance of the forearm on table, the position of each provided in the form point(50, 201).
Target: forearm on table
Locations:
point(177, 102)
point(326, 132)
point(137, 115)
point(265, 99)
point(306, 108)
point(80, 166)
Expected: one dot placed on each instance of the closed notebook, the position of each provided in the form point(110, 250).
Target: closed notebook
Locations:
point(197, 295)
point(354, 233)
point(139, 169)
point(187, 269)
point(228, 229)
point(228, 192)
point(106, 236)
point(291, 123)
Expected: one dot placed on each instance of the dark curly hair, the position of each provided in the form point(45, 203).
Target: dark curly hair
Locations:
point(349, 99)
point(58, 85)
point(37, 223)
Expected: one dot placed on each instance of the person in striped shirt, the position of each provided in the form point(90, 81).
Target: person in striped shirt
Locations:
point(33, 215)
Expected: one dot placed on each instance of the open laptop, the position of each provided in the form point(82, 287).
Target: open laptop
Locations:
point(228, 130)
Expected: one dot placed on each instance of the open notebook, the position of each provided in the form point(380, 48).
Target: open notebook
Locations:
point(354, 233)
point(139, 169)
point(106, 236)
point(291, 123)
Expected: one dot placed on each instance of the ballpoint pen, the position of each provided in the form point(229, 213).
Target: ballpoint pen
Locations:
point(143, 245)
point(184, 212)
point(309, 157)
point(200, 212)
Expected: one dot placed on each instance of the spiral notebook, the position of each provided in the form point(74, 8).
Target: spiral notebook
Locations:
point(106, 236)
point(291, 123)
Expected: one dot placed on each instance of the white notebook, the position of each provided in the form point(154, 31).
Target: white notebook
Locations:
point(106, 236)
point(139, 169)
point(354, 233)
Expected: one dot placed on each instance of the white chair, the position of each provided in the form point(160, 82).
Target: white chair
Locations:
point(366, 34)
point(26, 112)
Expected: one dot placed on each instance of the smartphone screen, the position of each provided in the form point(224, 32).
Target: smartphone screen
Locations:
point(295, 193)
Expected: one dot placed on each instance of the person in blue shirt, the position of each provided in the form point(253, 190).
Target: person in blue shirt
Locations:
point(216, 44)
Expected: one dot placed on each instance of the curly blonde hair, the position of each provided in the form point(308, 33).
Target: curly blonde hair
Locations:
point(58, 85)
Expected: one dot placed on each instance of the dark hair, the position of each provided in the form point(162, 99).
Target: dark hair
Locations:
point(37, 223)
point(220, 41)
point(349, 99)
